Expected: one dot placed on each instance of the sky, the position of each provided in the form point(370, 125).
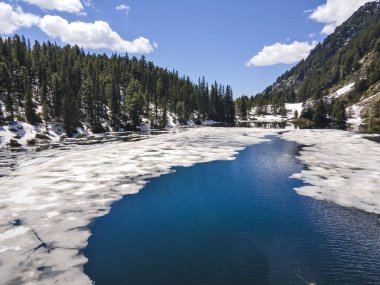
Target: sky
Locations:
point(244, 43)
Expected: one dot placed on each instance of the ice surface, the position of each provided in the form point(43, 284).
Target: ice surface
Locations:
point(56, 196)
point(47, 204)
point(343, 168)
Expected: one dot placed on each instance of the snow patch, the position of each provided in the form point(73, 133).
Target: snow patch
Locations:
point(348, 174)
point(210, 123)
point(292, 108)
point(354, 112)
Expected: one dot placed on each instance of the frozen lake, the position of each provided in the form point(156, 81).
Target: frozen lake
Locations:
point(233, 222)
point(49, 201)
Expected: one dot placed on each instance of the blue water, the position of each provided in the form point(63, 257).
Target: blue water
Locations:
point(233, 222)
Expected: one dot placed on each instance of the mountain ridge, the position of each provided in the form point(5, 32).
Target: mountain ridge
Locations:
point(333, 62)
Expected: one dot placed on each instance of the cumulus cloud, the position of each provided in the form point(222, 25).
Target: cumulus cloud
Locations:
point(282, 53)
point(92, 35)
point(123, 7)
point(12, 19)
point(334, 12)
point(71, 6)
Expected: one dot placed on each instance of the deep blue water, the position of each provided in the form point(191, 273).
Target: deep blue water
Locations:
point(233, 222)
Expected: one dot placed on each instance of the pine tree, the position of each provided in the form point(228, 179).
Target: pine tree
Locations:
point(134, 101)
point(30, 113)
point(339, 114)
point(243, 108)
point(319, 112)
point(5, 90)
point(75, 87)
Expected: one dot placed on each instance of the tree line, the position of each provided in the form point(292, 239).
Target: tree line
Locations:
point(47, 83)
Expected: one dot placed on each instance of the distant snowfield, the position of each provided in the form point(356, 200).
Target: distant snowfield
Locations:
point(47, 204)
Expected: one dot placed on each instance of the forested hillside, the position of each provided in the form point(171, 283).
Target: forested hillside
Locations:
point(350, 55)
point(44, 83)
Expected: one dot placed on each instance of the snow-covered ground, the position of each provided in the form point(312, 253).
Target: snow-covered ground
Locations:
point(48, 202)
point(340, 92)
point(291, 108)
point(355, 111)
point(23, 131)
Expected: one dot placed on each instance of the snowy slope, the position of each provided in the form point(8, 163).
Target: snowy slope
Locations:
point(355, 111)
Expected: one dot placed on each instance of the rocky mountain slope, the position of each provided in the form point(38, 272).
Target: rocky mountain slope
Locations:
point(349, 58)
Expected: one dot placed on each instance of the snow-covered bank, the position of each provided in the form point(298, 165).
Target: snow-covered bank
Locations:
point(343, 168)
point(49, 202)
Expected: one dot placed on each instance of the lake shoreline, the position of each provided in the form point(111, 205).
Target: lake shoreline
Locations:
point(62, 195)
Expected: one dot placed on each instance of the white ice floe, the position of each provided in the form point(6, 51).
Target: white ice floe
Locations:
point(54, 197)
point(343, 168)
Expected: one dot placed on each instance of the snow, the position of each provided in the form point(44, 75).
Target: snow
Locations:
point(342, 168)
point(269, 118)
point(12, 233)
point(24, 130)
point(58, 194)
point(354, 112)
point(210, 123)
point(292, 108)
point(27, 132)
point(344, 90)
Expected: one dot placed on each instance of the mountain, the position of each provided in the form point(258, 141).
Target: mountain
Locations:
point(348, 57)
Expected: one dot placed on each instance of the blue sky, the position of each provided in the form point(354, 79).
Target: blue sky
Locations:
point(214, 38)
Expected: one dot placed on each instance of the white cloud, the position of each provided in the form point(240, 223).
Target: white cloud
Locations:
point(71, 6)
point(13, 19)
point(123, 7)
point(282, 53)
point(334, 12)
point(87, 3)
point(95, 35)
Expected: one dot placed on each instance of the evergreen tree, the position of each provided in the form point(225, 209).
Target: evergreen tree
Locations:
point(77, 88)
point(135, 103)
point(30, 113)
point(339, 114)
point(243, 108)
point(5, 90)
point(319, 112)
